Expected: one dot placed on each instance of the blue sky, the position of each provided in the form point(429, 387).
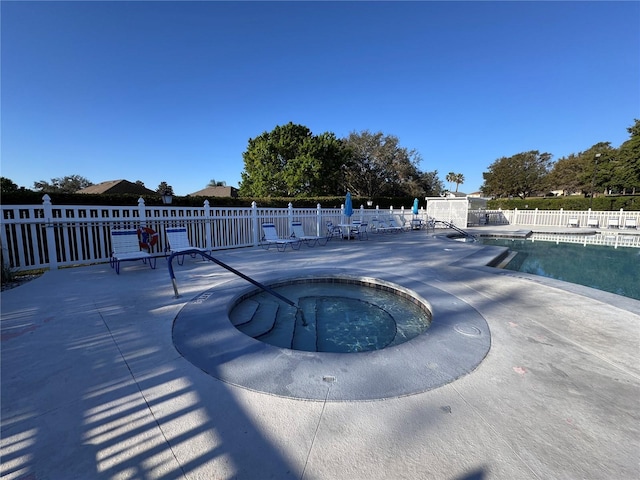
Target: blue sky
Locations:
point(173, 91)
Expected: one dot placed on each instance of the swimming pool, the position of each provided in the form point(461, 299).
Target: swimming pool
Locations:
point(605, 268)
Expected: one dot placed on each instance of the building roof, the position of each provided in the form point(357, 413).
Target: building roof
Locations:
point(117, 186)
point(456, 194)
point(220, 191)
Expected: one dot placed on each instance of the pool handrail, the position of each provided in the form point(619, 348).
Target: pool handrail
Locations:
point(457, 229)
point(232, 270)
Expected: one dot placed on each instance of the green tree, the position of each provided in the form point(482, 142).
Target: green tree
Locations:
point(629, 160)
point(598, 168)
point(567, 175)
point(429, 185)
point(164, 189)
point(7, 186)
point(290, 161)
point(68, 184)
point(381, 167)
point(519, 175)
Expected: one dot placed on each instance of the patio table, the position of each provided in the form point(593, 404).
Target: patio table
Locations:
point(346, 230)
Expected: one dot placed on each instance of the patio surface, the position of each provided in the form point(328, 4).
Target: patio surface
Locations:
point(92, 386)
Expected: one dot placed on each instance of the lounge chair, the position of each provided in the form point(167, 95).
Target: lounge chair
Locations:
point(613, 223)
point(271, 237)
point(308, 240)
point(630, 223)
point(125, 246)
point(390, 227)
point(573, 222)
point(178, 241)
point(593, 222)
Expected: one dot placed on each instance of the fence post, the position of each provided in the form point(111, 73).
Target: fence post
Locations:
point(142, 212)
point(319, 219)
point(290, 217)
point(254, 216)
point(561, 218)
point(5, 247)
point(620, 221)
point(50, 232)
point(362, 213)
point(207, 226)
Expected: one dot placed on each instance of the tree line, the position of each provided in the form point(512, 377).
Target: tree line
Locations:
point(601, 169)
point(290, 161)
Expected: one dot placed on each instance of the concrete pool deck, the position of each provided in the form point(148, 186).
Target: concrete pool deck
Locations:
point(92, 386)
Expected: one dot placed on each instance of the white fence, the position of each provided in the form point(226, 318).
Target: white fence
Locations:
point(49, 236)
point(552, 218)
point(610, 239)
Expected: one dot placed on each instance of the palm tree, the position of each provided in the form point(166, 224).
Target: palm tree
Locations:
point(213, 183)
point(458, 179)
point(451, 178)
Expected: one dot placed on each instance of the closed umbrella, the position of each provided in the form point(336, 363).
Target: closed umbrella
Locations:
point(415, 206)
point(348, 207)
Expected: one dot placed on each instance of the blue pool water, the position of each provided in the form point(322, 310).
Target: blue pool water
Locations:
point(339, 317)
point(615, 270)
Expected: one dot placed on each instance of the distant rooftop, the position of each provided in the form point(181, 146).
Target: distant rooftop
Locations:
point(220, 191)
point(117, 186)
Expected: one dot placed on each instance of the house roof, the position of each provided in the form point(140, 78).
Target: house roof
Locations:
point(117, 186)
point(220, 191)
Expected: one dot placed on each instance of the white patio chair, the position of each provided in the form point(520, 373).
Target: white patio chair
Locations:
point(333, 231)
point(271, 237)
point(125, 246)
point(309, 240)
point(178, 241)
point(359, 230)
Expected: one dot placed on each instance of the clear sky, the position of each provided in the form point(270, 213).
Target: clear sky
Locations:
point(173, 91)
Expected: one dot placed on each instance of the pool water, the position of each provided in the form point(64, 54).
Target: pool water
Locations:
point(615, 270)
point(340, 318)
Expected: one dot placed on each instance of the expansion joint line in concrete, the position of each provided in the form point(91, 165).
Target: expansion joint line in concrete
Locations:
point(315, 434)
point(141, 392)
